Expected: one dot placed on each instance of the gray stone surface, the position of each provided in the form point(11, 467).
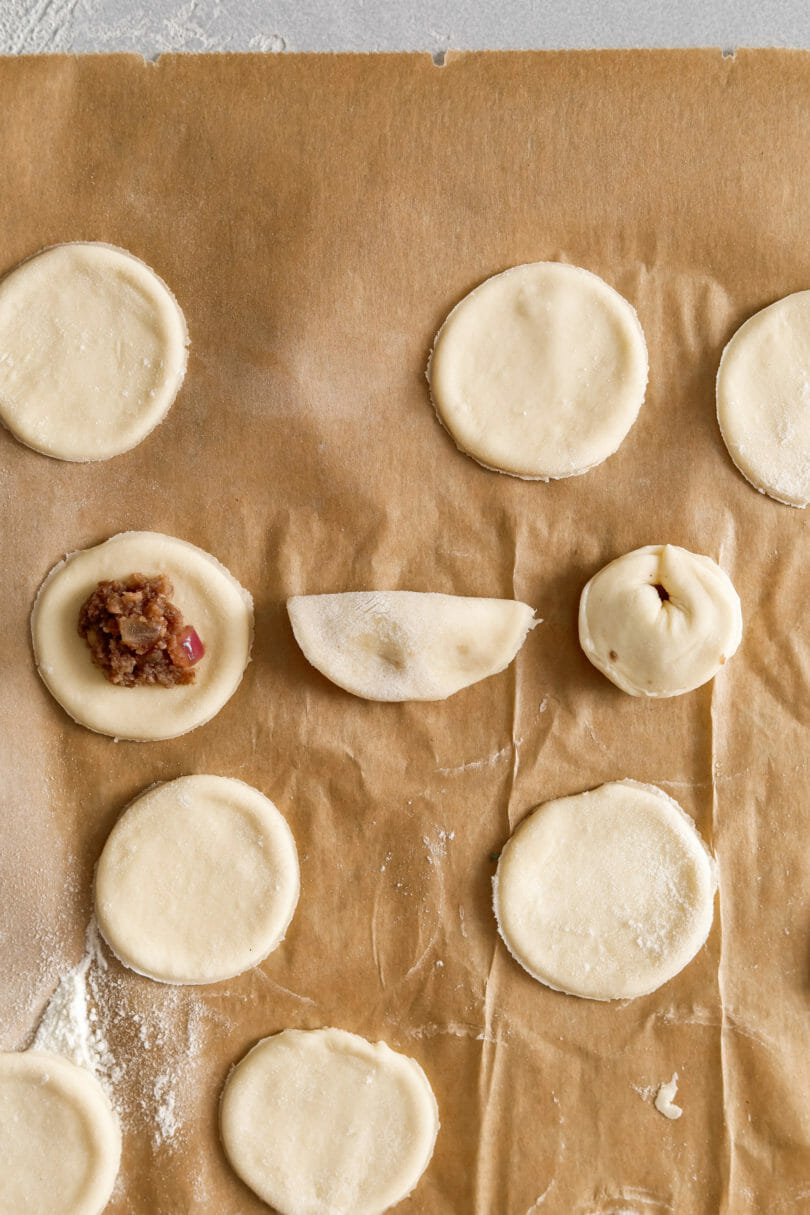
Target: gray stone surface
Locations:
point(41, 26)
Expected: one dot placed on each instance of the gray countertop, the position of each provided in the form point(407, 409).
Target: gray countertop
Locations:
point(42, 26)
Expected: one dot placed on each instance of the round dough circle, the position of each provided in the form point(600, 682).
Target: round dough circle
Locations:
point(322, 1122)
point(540, 372)
point(93, 350)
point(211, 600)
point(763, 399)
point(660, 642)
point(605, 894)
point(198, 880)
point(60, 1144)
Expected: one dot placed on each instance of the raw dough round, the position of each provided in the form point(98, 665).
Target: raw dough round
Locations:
point(198, 880)
point(606, 894)
point(322, 1122)
point(408, 645)
point(211, 600)
point(763, 399)
point(93, 350)
point(540, 372)
point(660, 621)
point(59, 1140)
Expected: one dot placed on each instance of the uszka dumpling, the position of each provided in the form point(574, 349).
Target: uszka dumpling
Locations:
point(408, 645)
point(660, 621)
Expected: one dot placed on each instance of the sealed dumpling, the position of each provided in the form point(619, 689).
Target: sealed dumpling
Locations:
point(660, 621)
point(408, 645)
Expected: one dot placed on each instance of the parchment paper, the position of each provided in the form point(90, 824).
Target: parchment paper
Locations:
point(316, 218)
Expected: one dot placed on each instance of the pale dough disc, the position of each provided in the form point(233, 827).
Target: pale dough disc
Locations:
point(763, 399)
point(660, 621)
point(93, 350)
point(540, 372)
point(60, 1144)
point(408, 645)
point(198, 880)
point(606, 894)
point(212, 602)
point(322, 1122)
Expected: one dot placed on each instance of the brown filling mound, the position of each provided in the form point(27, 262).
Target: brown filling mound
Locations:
point(136, 635)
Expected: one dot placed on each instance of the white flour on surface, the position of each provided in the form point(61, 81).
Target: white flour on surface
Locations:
point(69, 1025)
point(167, 1123)
point(140, 1041)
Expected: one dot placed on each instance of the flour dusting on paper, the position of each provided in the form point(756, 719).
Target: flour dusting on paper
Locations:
point(69, 1026)
point(91, 1008)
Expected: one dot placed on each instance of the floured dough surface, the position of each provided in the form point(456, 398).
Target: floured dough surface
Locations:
point(322, 1122)
point(660, 621)
point(59, 1140)
point(210, 599)
point(763, 399)
point(198, 880)
point(540, 372)
point(605, 894)
point(408, 645)
point(92, 351)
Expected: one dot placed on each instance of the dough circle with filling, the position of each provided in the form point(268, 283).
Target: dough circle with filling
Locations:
point(93, 350)
point(540, 372)
point(763, 399)
point(212, 602)
point(322, 1122)
point(606, 894)
point(408, 645)
point(60, 1143)
point(198, 880)
point(660, 621)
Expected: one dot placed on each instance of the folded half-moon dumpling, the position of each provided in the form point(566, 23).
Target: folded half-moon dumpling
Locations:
point(408, 645)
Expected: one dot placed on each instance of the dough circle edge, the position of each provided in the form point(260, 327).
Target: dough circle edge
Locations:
point(120, 871)
point(610, 663)
point(729, 426)
point(705, 867)
point(72, 1088)
point(212, 601)
point(170, 319)
point(515, 466)
point(284, 1195)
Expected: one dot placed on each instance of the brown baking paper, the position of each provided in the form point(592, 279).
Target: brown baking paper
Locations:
point(317, 217)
